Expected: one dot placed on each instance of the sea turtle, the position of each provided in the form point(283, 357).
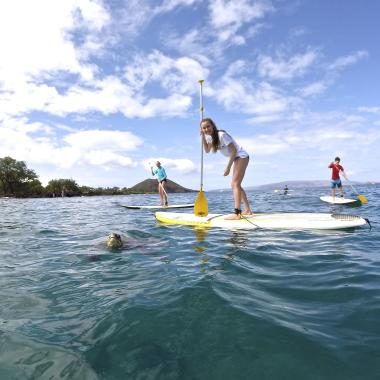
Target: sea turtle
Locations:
point(114, 241)
point(132, 243)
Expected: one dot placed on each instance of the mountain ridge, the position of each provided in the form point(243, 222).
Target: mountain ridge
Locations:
point(297, 184)
point(151, 186)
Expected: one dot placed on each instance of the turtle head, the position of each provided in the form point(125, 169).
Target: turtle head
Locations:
point(114, 241)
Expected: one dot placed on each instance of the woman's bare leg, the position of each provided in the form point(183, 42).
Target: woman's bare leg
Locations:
point(164, 196)
point(240, 166)
point(162, 201)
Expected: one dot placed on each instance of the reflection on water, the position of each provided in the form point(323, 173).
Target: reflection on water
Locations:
point(200, 233)
point(240, 239)
point(181, 302)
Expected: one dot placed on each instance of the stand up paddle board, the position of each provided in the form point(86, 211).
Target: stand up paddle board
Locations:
point(297, 221)
point(338, 200)
point(159, 207)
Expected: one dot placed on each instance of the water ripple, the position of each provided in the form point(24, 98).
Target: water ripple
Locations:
point(181, 302)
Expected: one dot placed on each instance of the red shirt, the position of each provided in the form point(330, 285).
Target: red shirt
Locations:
point(336, 168)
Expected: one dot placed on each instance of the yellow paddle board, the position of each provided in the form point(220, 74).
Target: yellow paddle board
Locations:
point(294, 221)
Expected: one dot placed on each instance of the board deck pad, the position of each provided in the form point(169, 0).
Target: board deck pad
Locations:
point(338, 200)
point(158, 207)
point(299, 221)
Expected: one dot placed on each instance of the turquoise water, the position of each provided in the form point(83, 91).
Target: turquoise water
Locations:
point(180, 303)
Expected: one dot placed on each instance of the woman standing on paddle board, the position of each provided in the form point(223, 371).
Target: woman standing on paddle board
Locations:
point(335, 178)
point(160, 174)
point(214, 140)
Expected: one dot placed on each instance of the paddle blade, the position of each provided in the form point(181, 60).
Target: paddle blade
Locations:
point(362, 198)
point(200, 205)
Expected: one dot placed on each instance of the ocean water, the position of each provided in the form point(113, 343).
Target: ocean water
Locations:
point(185, 303)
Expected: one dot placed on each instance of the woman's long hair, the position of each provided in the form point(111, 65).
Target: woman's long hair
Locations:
point(214, 134)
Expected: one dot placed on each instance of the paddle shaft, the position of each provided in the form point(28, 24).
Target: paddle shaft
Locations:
point(201, 116)
point(200, 205)
point(162, 187)
point(362, 198)
point(349, 182)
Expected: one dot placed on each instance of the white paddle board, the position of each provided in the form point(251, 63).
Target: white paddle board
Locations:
point(337, 200)
point(297, 221)
point(159, 207)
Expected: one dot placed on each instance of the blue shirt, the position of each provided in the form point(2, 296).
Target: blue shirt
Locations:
point(159, 173)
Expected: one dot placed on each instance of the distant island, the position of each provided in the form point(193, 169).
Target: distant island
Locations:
point(18, 181)
point(303, 184)
point(297, 185)
point(150, 186)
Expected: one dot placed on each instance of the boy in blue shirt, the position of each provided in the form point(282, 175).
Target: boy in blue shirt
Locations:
point(160, 174)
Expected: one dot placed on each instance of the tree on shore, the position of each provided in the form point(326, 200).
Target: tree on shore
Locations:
point(17, 180)
point(62, 187)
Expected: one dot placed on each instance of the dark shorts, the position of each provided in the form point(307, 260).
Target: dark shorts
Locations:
point(163, 180)
point(336, 183)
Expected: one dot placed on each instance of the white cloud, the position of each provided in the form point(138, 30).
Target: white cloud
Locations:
point(169, 5)
point(49, 70)
point(316, 139)
point(314, 132)
point(312, 89)
point(265, 119)
point(228, 16)
point(373, 110)
point(195, 44)
point(107, 96)
point(103, 140)
point(281, 68)
point(37, 143)
point(264, 145)
point(134, 15)
point(238, 93)
point(33, 44)
point(181, 165)
point(351, 59)
point(107, 159)
point(174, 75)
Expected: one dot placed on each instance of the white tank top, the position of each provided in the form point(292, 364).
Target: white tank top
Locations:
point(225, 139)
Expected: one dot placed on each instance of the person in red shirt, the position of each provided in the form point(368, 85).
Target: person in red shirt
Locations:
point(335, 178)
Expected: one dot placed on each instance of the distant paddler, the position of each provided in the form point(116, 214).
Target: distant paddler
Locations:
point(336, 181)
point(286, 189)
point(160, 174)
point(337, 168)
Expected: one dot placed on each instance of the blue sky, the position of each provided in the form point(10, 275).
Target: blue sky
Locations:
point(95, 90)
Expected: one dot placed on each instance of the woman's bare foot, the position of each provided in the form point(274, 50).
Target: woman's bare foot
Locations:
point(247, 213)
point(233, 217)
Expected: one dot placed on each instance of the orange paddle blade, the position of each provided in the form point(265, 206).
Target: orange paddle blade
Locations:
point(362, 198)
point(200, 205)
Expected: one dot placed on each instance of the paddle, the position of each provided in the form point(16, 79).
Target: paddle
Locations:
point(200, 205)
point(361, 197)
